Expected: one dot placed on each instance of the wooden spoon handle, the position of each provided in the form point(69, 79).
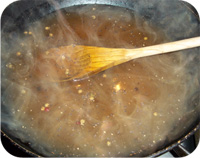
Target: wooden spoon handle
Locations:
point(163, 48)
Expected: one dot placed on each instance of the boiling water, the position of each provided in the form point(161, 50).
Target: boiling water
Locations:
point(130, 109)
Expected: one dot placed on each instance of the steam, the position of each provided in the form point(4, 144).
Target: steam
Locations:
point(147, 110)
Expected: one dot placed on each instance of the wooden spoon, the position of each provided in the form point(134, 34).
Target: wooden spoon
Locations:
point(78, 61)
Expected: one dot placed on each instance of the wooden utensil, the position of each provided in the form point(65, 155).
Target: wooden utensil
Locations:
point(84, 61)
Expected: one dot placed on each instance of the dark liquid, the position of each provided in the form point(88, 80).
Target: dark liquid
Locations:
point(128, 109)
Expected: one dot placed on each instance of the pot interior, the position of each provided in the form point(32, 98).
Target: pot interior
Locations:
point(133, 109)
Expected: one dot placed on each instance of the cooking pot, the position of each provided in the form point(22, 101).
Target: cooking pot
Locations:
point(178, 19)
